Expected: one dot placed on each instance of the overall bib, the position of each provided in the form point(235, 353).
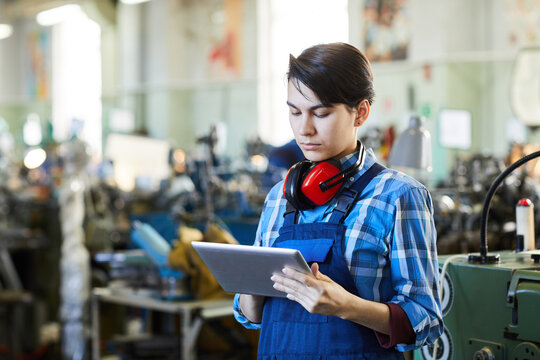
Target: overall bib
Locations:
point(291, 332)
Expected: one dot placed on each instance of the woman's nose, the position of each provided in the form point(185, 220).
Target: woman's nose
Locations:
point(306, 126)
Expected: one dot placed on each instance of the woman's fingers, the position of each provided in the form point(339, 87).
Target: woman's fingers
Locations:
point(299, 287)
point(290, 285)
point(317, 293)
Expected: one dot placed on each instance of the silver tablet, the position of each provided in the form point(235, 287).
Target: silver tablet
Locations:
point(247, 269)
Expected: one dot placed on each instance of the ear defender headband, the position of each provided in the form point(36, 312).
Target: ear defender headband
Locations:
point(310, 184)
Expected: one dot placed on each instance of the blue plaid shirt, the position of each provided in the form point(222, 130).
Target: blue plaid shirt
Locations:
point(389, 245)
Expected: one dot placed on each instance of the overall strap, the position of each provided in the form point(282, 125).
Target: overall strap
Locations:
point(290, 215)
point(348, 197)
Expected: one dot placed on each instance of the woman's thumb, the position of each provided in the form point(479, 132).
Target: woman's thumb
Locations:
point(315, 268)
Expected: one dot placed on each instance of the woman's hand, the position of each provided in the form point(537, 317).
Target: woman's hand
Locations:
point(317, 293)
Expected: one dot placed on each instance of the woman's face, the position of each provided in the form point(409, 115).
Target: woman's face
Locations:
point(323, 132)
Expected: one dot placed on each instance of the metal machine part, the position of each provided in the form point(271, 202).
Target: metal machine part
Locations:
point(484, 353)
point(448, 294)
point(458, 203)
point(445, 348)
point(526, 351)
point(493, 312)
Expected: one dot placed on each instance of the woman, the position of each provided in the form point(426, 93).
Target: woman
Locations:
point(366, 230)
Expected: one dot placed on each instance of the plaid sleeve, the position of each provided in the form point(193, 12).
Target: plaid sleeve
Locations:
point(240, 317)
point(415, 271)
point(263, 222)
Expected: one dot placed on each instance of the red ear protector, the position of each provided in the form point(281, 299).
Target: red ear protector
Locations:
point(309, 184)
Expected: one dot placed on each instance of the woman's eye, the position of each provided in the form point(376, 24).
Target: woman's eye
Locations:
point(322, 115)
point(295, 113)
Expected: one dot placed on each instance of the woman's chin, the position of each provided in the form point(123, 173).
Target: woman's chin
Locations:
point(315, 157)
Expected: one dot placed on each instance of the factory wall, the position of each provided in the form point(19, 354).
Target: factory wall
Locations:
point(23, 88)
point(164, 75)
point(156, 66)
point(460, 57)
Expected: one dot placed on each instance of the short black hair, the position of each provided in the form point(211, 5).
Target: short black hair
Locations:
point(338, 73)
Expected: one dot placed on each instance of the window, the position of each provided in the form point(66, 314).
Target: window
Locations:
point(287, 27)
point(77, 80)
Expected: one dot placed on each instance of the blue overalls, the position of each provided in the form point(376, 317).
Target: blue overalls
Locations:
point(291, 332)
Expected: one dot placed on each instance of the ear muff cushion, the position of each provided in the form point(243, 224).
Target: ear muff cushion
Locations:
point(293, 182)
point(317, 174)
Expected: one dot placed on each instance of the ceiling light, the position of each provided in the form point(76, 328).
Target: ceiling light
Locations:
point(57, 15)
point(34, 158)
point(5, 31)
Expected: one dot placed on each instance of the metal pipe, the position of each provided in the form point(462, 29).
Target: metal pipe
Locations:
point(484, 258)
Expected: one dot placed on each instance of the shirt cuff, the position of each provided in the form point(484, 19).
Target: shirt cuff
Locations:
point(240, 317)
point(401, 331)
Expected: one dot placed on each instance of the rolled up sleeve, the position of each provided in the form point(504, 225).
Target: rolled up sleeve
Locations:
point(237, 311)
point(415, 270)
point(239, 316)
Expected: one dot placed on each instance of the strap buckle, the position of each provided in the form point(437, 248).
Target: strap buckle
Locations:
point(345, 201)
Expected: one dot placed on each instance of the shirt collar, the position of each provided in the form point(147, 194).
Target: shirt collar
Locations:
point(369, 158)
point(350, 159)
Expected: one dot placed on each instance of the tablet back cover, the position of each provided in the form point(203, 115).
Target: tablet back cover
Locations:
point(247, 269)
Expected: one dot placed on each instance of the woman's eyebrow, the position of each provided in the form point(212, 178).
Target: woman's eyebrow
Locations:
point(292, 105)
point(314, 107)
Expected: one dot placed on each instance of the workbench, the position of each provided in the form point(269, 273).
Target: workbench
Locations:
point(193, 313)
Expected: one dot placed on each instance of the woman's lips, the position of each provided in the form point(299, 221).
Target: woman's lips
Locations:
point(310, 146)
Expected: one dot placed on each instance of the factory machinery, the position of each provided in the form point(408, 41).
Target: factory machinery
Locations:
point(491, 302)
point(490, 311)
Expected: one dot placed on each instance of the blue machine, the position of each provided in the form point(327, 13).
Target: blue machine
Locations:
point(173, 282)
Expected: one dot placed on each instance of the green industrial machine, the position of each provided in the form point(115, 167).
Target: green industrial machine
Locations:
point(490, 311)
point(490, 302)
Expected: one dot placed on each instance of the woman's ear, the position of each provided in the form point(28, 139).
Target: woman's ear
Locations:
point(362, 112)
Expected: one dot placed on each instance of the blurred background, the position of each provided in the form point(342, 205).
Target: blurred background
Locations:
point(129, 128)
